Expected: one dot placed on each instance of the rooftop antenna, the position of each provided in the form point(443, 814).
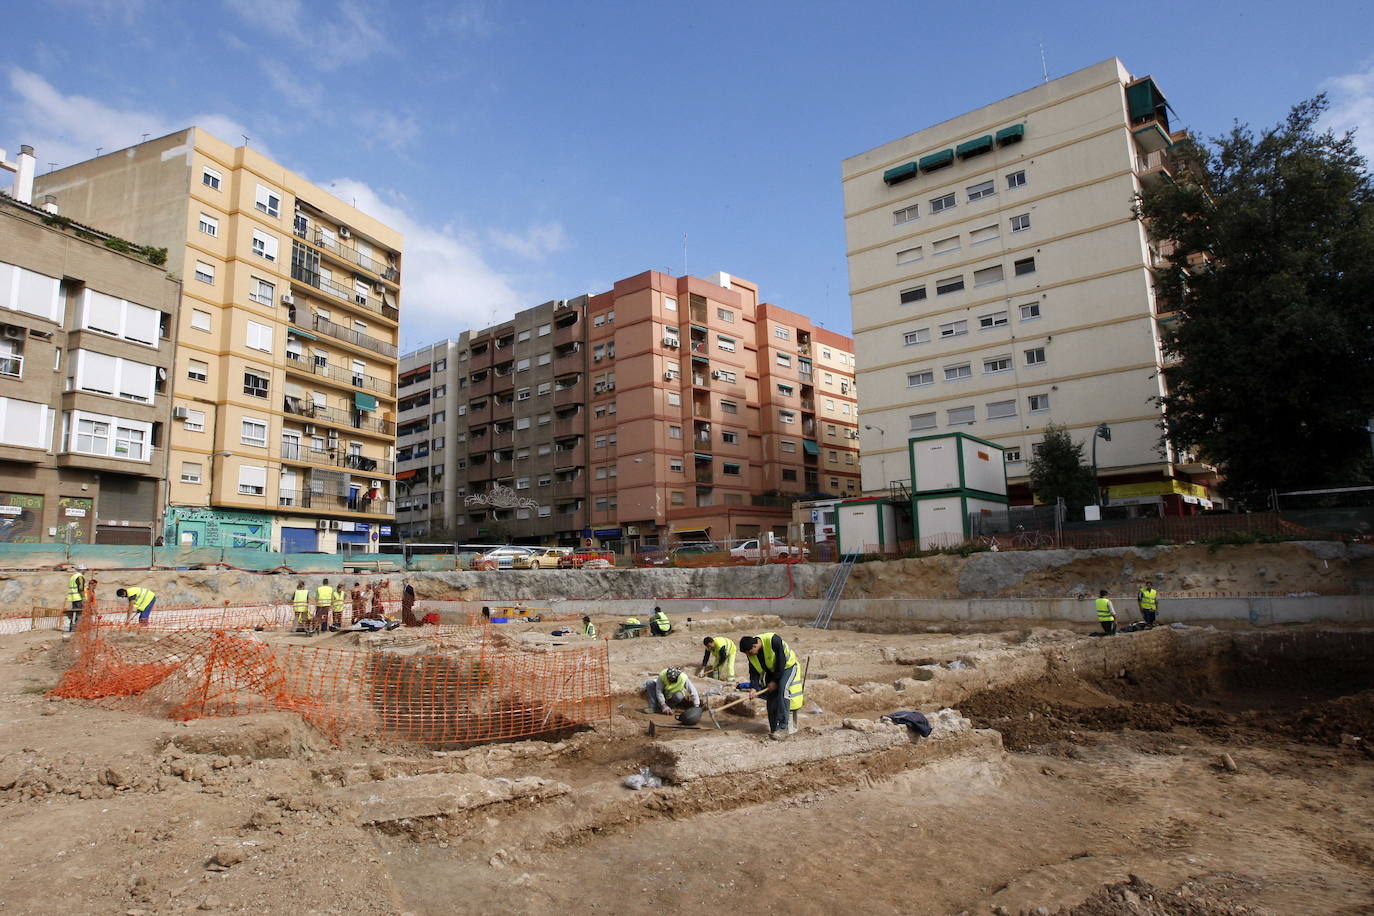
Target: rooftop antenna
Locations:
point(1044, 67)
point(684, 254)
point(51, 166)
point(246, 138)
point(98, 149)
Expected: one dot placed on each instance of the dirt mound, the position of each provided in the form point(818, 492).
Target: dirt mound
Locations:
point(1327, 722)
point(1140, 898)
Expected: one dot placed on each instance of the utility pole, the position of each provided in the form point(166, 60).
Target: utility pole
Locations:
point(1103, 432)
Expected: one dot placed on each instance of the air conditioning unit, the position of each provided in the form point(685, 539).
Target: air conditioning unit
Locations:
point(672, 342)
point(598, 358)
point(288, 299)
point(378, 288)
point(334, 526)
point(344, 233)
point(610, 386)
point(13, 332)
point(599, 387)
point(322, 524)
point(715, 373)
point(668, 376)
point(181, 413)
point(376, 484)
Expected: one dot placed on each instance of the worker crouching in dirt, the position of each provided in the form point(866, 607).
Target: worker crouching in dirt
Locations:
point(1106, 614)
point(659, 624)
point(774, 675)
point(630, 629)
point(718, 661)
point(588, 628)
point(670, 689)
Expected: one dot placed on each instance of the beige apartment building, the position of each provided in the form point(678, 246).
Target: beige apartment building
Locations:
point(1000, 282)
point(666, 408)
point(87, 343)
point(284, 389)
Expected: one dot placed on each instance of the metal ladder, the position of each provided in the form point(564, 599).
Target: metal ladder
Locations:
point(832, 594)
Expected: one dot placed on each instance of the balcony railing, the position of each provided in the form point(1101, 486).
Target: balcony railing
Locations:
point(357, 338)
point(347, 376)
point(307, 499)
point(313, 278)
point(12, 366)
point(354, 256)
point(295, 451)
point(358, 420)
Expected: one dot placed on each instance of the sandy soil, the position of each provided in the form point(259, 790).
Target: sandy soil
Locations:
point(1113, 767)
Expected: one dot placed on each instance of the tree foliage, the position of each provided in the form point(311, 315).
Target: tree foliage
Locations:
point(1273, 281)
point(1057, 469)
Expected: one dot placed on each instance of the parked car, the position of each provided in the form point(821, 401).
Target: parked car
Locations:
point(548, 557)
point(751, 550)
point(505, 558)
point(653, 556)
point(690, 554)
point(589, 557)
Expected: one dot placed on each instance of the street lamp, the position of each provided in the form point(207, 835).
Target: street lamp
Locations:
point(1103, 432)
point(882, 454)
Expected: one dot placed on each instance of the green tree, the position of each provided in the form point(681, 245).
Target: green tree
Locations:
point(1057, 469)
point(1273, 282)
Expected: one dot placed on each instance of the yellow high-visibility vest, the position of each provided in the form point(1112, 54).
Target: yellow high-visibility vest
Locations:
point(1104, 610)
point(76, 587)
point(324, 596)
point(141, 597)
point(1149, 599)
point(794, 689)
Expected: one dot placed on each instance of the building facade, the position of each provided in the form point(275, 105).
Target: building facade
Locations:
point(284, 389)
point(1000, 281)
point(664, 408)
point(87, 346)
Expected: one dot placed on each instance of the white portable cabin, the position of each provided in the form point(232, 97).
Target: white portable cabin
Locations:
point(952, 477)
point(866, 525)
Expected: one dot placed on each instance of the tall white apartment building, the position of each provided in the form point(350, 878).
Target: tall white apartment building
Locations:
point(1000, 281)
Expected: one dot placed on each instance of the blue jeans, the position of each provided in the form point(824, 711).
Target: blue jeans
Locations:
point(147, 612)
point(779, 703)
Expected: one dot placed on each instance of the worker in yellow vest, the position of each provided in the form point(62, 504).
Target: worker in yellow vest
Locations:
point(588, 628)
point(141, 601)
point(1106, 614)
point(324, 603)
point(671, 688)
point(718, 661)
point(659, 624)
point(775, 675)
point(300, 607)
point(76, 599)
point(1149, 603)
point(338, 607)
point(630, 629)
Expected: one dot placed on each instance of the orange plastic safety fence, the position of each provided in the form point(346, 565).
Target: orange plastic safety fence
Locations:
point(480, 692)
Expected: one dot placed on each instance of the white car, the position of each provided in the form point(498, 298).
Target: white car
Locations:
point(751, 550)
point(505, 558)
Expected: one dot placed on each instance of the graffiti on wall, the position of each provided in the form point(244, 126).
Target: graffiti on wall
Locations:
point(75, 515)
point(21, 518)
point(205, 527)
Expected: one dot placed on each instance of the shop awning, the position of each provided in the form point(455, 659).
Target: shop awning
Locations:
point(1013, 134)
point(937, 160)
point(364, 401)
point(688, 529)
point(812, 448)
point(974, 147)
point(900, 173)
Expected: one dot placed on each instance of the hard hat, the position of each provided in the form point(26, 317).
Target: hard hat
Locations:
point(673, 673)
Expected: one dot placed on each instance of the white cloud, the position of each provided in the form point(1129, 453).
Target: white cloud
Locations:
point(293, 90)
point(345, 33)
point(386, 129)
point(538, 241)
point(1352, 106)
point(446, 283)
point(67, 129)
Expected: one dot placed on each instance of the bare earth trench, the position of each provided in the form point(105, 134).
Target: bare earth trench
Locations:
point(1220, 767)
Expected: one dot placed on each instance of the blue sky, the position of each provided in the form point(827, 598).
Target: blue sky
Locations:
point(538, 150)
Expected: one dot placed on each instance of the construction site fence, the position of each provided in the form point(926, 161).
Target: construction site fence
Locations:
point(123, 556)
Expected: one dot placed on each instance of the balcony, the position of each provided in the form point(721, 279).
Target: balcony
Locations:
point(348, 335)
point(341, 374)
point(569, 489)
point(292, 450)
point(570, 426)
point(699, 346)
point(355, 258)
point(565, 331)
point(478, 415)
point(503, 410)
point(331, 502)
point(12, 366)
point(502, 439)
point(302, 274)
point(573, 394)
point(357, 420)
point(480, 357)
point(568, 362)
point(574, 457)
point(704, 472)
point(1154, 167)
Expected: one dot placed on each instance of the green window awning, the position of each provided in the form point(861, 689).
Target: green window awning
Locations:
point(812, 448)
point(974, 147)
point(301, 334)
point(1144, 100)
point(1013, 134)
point(900, 173)
point(937, 160)
point(364, 401)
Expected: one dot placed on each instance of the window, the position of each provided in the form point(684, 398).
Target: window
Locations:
point(1035, 356)
point(254, 432)
point(92, 436)
point(988, 275)
point(725, 343)
point(783, 333)
point(945, 202)
point(959, 416)
point(918, 336)
point(907, 255)
point(997, 364)
point(905, 215)
point(439, 366)
point(830, 405)
point(1016, 180)
point(522, 394)
point(725, 315)
point(677, 498)
point(544, 359)
point(205, 273)
point(545, 387)
point(789, 475)
point(674, 399)
point(269, 201)
point(784, 360)
point(211, 178)
point(674, 432)
point(787, 416)
point(669, 304)
point(1030, 311)
point(949, 285)
point(945, 246)
point(208, 224)
point(598, 320)
point(197, 370)
point(545, 330)
point(438, 444)
point(1038, 402)
point(920, 379)
point(787, 445)
point(200, 320)
point(981, 189)
point(832, 456)
point(1011, 454)
point(522, 422)
point(726, 375)
point(954, 329)
point(252, 480)
point(729, 437)
point(190, 472)
point(729, 407)
point(1024, 266)
point(914, 294)
point(961, 371)
point(259, 337)
point(254, 383)
point(522, 365)
point(675, 464)
point(262, 292)
point(1020, 223)
point(730, 469)
point(112, 375)
point(992, 320)
point(521, 338)
point(983, 234)
point(786, 390)
point(195, 421)
point(522, 483)
point(264, 245)
point(920, 421)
